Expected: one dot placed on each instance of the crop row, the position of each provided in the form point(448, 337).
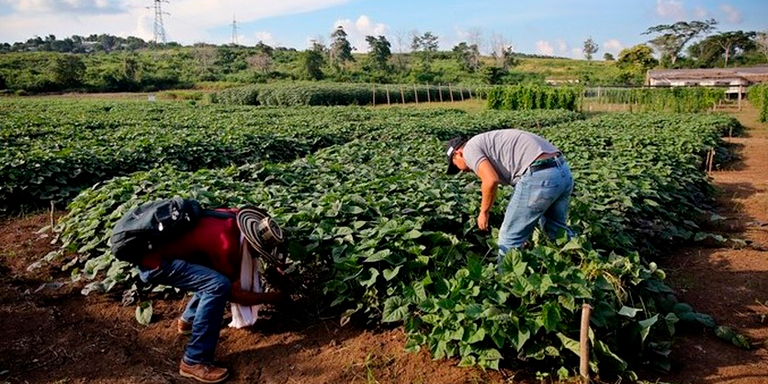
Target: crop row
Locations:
point(51, 151)
point(384, 232)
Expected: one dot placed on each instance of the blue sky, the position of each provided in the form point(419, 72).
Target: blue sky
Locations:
point(551, 27)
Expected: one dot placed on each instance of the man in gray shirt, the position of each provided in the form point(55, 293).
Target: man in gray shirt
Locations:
point(535, 168)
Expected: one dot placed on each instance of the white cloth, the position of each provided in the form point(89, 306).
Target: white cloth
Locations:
point(242, 315)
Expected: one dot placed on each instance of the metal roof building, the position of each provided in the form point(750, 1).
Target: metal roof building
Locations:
point(736, 79)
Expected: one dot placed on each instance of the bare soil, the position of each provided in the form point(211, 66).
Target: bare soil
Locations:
point(50, 333)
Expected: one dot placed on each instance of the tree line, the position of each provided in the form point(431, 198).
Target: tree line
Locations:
point(110, 63)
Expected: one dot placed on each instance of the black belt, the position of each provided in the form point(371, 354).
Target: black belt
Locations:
point(539, 165)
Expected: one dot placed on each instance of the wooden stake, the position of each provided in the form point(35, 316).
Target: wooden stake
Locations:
point(740, 89)
point(429, 97)
point(373, 91)
point(584, 343)
point(386, 86)
point(53, 209)
point(416, 93)
point(450, 92)
point(402, 94)
point(440, 91)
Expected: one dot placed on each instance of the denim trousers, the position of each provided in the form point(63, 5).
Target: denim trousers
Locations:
point(205, 311)
point(541, 197)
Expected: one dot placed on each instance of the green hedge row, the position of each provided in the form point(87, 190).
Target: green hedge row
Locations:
point(677, 99)
point(758, 96)
point(534, 97)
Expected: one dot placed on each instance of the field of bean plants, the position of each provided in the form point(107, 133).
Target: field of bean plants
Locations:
point(378, 229)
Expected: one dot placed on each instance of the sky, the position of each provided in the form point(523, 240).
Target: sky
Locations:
point(546, 27)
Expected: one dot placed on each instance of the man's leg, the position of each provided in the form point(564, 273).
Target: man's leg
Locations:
point(213, 290)
point(534, 194)
point(519, 218)
point(186, 319)
point(554, 219)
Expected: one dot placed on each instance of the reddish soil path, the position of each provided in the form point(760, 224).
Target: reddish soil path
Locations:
point(730, 284)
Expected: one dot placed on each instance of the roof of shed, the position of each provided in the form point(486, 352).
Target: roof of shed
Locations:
point(751, 73)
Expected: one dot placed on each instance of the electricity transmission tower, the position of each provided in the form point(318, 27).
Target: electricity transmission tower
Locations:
point(159, 28)
point(234, 30)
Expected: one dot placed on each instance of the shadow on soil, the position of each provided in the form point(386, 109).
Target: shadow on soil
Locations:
point(729, 282)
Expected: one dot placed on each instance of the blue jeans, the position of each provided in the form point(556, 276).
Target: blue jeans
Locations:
point(540, 197)
point(206, 308)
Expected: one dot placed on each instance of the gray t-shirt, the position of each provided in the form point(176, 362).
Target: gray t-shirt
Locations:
point(510, 151)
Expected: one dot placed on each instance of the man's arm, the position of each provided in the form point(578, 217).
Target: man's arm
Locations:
point(489, 184)
point(242, 297)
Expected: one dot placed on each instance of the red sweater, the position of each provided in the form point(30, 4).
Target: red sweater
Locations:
point(213, 242)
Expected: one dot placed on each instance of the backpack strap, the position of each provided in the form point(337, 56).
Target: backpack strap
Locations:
point(217, 214)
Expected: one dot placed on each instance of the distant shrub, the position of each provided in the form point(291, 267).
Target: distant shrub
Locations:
point(758, 96)
point(533, 96)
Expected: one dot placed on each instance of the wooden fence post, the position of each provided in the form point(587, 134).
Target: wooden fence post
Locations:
point(584, 343)
point(740, 90)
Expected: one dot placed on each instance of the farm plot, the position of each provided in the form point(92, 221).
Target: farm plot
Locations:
point(382, 233)
point(49, 151)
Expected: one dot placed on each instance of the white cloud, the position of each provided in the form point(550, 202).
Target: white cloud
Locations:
point(700, 12)
point(613, 46)
point(562, 47)
point(266, 38)
point(733, 15)
point(577, 53)
point(185, 21)
point(544, 48)
point(65, 6)
point(357, 31)
point(670, 9)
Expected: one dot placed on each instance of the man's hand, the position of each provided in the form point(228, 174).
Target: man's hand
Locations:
point(482, 221)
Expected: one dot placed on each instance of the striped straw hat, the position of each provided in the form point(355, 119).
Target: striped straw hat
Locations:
point(261, 232)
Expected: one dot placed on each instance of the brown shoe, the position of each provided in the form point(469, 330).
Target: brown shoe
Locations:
point(206, 373)
point(183, 327)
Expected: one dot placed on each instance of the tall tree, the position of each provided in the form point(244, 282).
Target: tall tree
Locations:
point(68, 70)
point(590, 48)
point(312, 62)
point(426, 44)
point(608, 57)
point(501, 51)
point(640, 56)
point(725, 46)
point(380, 51)
point(340, 51)
point(468, 56)
point(672, 38)
point(761, 43)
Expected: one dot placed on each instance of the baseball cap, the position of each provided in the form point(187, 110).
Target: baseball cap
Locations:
point(451, 147)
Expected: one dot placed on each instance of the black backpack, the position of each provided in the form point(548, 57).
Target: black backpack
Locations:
point(154, 223)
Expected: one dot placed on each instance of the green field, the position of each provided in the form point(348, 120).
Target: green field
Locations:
point(375, 225)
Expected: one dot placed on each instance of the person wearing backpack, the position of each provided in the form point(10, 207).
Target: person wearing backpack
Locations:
point(203, 255)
